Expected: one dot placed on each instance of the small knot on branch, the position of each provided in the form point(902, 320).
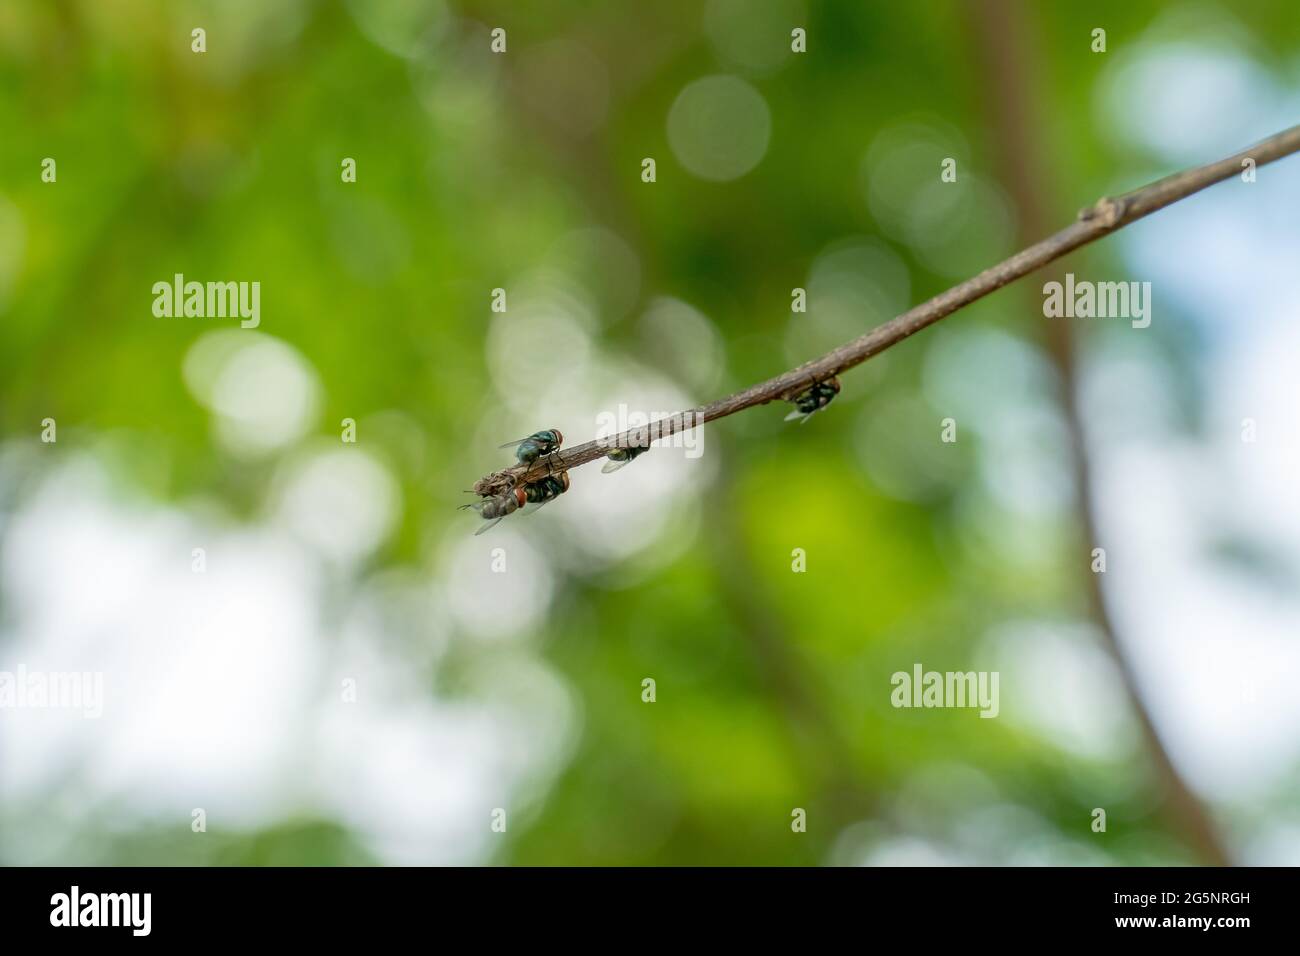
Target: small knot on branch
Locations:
point(1107, 211)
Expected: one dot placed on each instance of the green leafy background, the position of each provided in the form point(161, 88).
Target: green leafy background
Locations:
point(478, 171)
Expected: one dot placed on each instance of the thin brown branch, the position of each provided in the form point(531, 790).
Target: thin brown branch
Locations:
point(1100, 219)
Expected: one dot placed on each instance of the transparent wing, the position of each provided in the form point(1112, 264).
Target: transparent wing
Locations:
point(613, 465)
point(512, 444)
point(533, 506)
point(802, 416)
point(489, 525)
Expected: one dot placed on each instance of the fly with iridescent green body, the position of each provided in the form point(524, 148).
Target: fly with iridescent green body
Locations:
point(618, 457)
point(813, 399)
point(528, 450)
point(536, 445)
point(546, 489)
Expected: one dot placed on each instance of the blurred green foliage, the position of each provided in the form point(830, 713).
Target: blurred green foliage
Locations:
point(773, 686)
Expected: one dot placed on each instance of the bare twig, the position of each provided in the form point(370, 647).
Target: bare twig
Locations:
point(1100, 219)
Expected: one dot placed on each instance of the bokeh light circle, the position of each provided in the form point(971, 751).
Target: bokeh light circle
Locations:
point(719, 127)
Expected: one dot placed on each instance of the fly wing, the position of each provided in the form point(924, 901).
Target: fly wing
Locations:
point(487, 526)
point(533, 506)
point(614, 465)
point(802, 416)
point(512, 444)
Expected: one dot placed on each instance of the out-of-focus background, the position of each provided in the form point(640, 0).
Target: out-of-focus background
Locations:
point(301, 637)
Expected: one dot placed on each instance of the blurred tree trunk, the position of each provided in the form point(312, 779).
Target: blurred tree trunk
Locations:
point(1008, 41)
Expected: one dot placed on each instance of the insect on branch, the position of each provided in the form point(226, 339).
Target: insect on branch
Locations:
point(1095, 221)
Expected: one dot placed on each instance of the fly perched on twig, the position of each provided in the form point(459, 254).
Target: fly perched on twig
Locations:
point(528, 497)
point(814, 399)
point(536, 445)
point(618, 457)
